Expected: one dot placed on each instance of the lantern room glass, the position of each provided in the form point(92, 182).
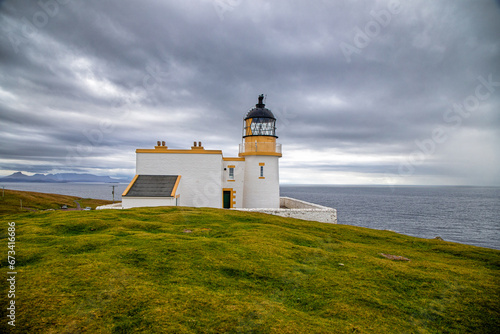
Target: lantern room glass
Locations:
point(260, 126)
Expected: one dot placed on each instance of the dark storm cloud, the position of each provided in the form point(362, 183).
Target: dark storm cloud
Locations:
point(99, 78)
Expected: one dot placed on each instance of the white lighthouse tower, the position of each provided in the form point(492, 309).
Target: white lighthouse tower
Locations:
point(261, 153)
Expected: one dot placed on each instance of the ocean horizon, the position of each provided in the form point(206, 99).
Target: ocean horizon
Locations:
point(464, 214)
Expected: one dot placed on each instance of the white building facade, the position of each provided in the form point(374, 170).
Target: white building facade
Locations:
point(205, 178)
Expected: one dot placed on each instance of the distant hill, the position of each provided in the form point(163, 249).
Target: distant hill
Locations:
point(10, 202)
point(58, 178)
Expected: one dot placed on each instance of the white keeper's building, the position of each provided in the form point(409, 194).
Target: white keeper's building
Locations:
point(205, 178)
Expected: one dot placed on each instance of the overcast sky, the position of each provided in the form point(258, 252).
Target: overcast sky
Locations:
point(364, 92)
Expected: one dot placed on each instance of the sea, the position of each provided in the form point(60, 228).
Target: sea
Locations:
point(469, 215)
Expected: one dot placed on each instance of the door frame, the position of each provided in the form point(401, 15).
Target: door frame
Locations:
point(231, 197)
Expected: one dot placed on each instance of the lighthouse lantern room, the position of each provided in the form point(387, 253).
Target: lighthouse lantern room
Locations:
point(259, 131)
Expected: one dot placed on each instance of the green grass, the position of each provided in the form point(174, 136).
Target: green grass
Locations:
point(142, 271)
point(33, 201)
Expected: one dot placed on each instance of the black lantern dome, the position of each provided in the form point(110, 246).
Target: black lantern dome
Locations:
point(260, 121)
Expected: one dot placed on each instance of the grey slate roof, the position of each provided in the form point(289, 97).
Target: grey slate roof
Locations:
point(153, 186)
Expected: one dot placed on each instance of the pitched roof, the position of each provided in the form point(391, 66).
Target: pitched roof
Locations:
point(153, 186)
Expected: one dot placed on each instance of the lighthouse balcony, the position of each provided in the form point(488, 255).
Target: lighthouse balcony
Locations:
point(260, 148)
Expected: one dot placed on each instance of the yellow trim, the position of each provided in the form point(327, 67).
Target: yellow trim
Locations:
point(233, 159)
point(231, 166)
point(248, 127)
point(231, 180)
point(260, 145)
point(145, 150)
point(130, 185)
point(261, 153)
point(262, 178)
point(175, 186)
point(262, 164)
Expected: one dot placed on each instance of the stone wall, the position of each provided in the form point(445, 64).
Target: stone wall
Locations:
point(294, 208)
point(117, 206)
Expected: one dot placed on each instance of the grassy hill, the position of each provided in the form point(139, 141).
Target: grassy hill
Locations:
point(32, 201)
point(187, 270)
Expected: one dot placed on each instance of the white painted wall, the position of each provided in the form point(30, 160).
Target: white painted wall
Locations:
point(201, 182)
point(322, 216)
point(136, 202)
point(301, 210)
point(293, 203)
point(115, 206)
point(238, 183)
point(261, 193)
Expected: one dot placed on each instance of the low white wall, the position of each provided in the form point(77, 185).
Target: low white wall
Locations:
point(140, 202)
point(295, 208)
point(117, 206)
point(292, 203)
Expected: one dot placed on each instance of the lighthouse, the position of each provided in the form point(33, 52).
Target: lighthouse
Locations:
point(205, 178)
point(261, 153)
point(198, 177)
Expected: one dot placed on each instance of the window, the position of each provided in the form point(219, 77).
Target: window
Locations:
point(260, 126)
point(261, 171)
point(231, 173)
point(263, 127)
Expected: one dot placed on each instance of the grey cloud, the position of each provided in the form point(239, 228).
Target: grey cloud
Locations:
point(181, 73)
